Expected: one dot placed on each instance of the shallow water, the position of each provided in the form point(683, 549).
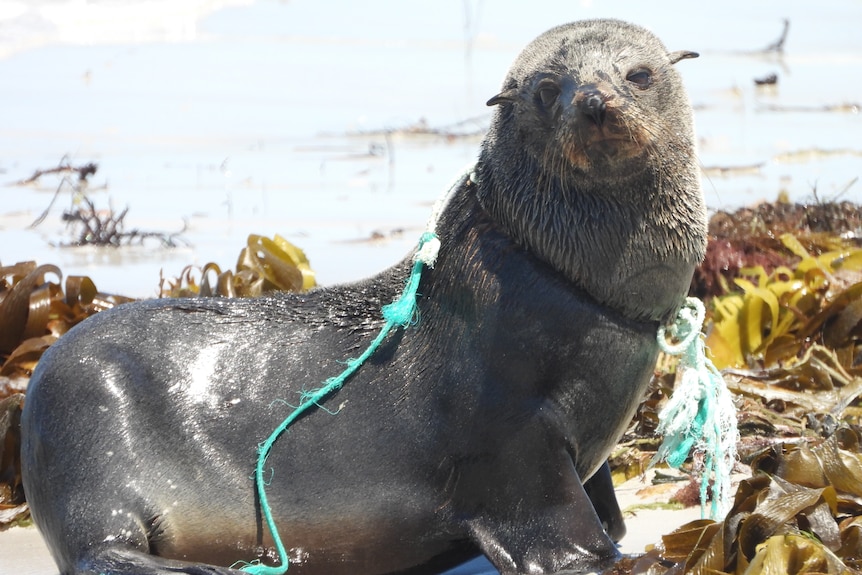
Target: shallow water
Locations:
point(266, 117)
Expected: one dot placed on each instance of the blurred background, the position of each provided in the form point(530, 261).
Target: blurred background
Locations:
point(336, 124)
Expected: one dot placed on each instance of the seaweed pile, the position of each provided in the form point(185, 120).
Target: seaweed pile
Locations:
point(783, 285)
point(264, 265)
point(800, 511)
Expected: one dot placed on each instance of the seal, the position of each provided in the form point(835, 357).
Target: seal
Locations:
point(473, 431)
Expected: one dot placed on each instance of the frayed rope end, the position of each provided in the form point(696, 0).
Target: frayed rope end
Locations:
point(700, 414)
point(429, 247)
point(403, 311)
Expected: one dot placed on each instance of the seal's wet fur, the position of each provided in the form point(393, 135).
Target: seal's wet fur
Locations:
point(469, 433)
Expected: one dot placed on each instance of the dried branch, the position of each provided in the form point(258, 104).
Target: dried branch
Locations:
point(64, 167)
point(778, 45)
point(105, 228)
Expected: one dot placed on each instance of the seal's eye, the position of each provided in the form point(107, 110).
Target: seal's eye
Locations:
point(640, 77)
point(547, 93)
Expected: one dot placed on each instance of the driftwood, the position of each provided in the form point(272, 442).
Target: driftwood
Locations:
point(88, 225)
point(105, 228)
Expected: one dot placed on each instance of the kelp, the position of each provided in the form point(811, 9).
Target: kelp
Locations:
point(750, 237)
point(773, 317)
point(264, 265)
point(13, 506)
point(639, 443)
point(35, 311)
point(65, 170)
point(800, 512)
point(807, 398)
point(815, 385)
point(780, 277)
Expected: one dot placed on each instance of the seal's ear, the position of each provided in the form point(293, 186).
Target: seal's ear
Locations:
point(681, 55)
point(504, 97)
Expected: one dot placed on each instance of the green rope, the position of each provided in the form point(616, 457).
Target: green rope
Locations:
point(700, 414)
point(401, 312)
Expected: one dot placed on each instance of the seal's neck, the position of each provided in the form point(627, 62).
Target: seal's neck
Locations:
point(632, 246)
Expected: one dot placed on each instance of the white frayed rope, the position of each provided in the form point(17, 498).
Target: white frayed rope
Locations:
point(700, 414)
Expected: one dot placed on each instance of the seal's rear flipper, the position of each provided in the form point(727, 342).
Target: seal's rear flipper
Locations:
point(112, 559)
point(600, 490)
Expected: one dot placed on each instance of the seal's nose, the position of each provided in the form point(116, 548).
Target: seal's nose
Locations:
point(592, 105)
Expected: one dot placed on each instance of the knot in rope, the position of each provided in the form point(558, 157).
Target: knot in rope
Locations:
point(686, 327)
point(429, 247)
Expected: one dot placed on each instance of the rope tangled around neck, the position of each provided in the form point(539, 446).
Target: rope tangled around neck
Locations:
point(700, 413)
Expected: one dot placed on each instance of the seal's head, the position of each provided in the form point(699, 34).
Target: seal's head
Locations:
point(590, 163)
point(599, 96)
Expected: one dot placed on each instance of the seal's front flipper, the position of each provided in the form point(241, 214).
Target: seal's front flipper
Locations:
point(113, 559)
point(543, 531)
point(600, 490)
